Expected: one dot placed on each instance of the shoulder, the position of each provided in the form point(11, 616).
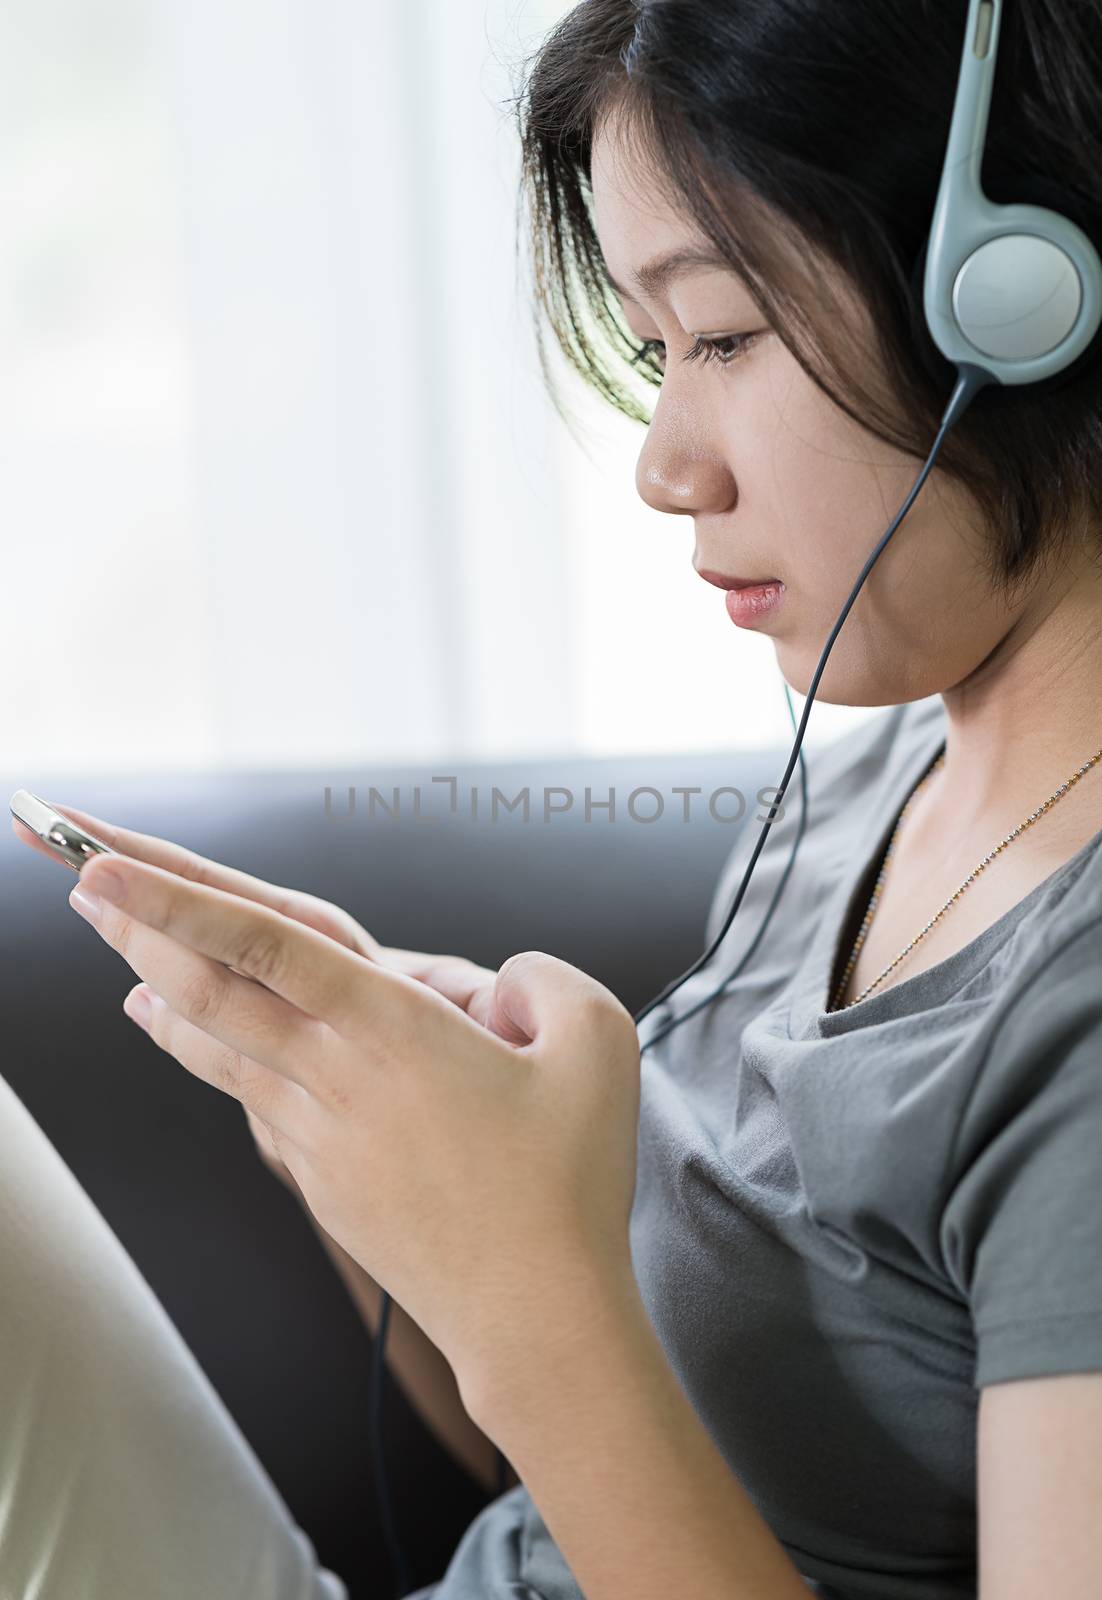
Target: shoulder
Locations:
point(1050, 1017)
point(1056, 999)
point(1021, 1236)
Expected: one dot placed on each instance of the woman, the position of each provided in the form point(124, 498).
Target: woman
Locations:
point(810, 1296)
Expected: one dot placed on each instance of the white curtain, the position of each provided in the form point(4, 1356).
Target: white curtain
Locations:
point(279, 481)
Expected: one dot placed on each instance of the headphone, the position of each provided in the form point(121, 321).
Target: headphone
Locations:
point(1011, 294)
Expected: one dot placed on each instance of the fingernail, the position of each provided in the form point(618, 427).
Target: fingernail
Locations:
point(138, 1007)
point(89, 906)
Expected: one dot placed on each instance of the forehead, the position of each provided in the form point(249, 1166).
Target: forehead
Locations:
point(648, 241)
point(633, 215)
point(639, 222)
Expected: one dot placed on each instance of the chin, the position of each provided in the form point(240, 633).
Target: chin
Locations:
point(841, 683)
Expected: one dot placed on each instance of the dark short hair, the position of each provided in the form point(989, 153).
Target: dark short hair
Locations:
point(793, 131)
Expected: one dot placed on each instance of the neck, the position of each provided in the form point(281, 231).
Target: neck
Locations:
point(1031, 714)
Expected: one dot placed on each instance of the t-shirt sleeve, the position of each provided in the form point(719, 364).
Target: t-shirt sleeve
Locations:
point(1021, 1227)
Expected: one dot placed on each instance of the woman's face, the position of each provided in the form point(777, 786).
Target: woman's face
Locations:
point(780, 483)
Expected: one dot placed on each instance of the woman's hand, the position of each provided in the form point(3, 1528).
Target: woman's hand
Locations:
point(481, 1172)
point(457, 979)
point(466, 984)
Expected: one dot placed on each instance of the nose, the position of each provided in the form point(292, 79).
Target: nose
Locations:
point(679, 468)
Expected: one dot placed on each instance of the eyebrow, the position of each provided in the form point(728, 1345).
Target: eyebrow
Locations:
point(656, 275)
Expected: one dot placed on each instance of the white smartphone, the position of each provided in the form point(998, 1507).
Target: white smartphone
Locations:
point(71, 843)
point(65, 838)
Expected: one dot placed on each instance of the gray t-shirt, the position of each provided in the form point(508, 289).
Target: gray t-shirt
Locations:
point(847, 1223)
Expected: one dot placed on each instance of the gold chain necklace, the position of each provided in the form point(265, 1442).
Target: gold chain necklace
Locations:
point(835, 1004)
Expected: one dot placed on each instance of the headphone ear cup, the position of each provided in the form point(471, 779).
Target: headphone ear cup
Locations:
point(1028, 190)
point(1035, 190)
point(937, 367)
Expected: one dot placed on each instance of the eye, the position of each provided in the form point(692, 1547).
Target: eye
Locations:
point(725, 350)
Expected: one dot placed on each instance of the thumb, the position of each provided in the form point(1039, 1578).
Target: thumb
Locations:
point(537, 996)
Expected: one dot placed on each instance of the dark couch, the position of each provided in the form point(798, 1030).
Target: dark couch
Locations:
point(170, 1162)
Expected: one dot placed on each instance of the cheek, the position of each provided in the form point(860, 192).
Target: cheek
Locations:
point(825, 491)
point(810, 477)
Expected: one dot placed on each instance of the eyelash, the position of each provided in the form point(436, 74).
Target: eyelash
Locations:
point(704, 350)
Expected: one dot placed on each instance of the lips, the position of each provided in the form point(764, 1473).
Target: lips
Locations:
point(724, 580)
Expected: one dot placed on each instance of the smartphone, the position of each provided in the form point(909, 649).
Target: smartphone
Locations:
point(71, 843)
point(64, 838)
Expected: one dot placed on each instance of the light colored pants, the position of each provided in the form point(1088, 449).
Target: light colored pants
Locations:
point(122, 1475)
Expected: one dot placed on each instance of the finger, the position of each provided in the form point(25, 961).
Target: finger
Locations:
point(262, 1137)
point(28, 836)
point(267, 1096)
point(235, 1011)
point(188, 864)
point(310, 971)
point(538, 998)
point(456, 978)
